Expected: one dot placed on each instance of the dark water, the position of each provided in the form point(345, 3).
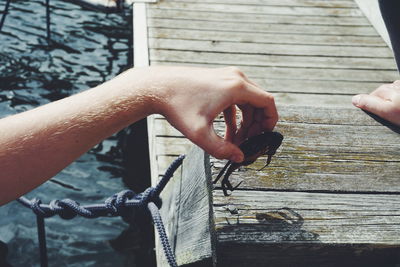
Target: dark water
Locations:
point(90, 47)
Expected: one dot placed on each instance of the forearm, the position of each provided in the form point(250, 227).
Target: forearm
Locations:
point(37, 144)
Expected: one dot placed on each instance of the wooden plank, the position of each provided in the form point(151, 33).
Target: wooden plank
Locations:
point(328, 87)
point(328, 158)
point(270, 49)
point(187, 213)
point(257, 228)
point(166, 145)
point(296, 3)
point(263, 9)
point(271, 38)
point(296, 114)
point(159, 12)
point(263, 28)
point(300, 74)
point(266, 60)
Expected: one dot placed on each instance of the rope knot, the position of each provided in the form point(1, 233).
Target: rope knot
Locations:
point(35, 206)
point(149, 195)
point(71, 208)
point(117, 203)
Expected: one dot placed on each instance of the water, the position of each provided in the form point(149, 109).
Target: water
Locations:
point(90, 47)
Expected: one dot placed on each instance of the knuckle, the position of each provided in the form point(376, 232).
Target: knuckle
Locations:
point(234, 69)
point(237, 71)
point(237, 83)
point(270, 97)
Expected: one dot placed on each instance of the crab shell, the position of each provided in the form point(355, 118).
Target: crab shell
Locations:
point(263, 144)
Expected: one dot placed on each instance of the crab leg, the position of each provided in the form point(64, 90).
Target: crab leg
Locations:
point(222, 172)
point(225, 183)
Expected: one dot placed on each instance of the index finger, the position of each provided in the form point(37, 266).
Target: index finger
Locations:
point(261, 99)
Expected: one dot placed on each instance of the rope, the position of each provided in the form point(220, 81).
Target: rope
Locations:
point(42, 241)
point(119, 204)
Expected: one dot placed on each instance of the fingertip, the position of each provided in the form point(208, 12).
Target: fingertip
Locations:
point(373, 104)
point(237, 157)
point(356, 100)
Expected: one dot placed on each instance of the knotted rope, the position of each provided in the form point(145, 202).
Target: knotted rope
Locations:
point(120, 204)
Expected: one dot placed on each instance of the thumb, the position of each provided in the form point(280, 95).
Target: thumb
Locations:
point(219, 147)
point(372, 104)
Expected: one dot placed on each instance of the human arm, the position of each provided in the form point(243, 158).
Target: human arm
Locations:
point(384, 102)
point(37, 144)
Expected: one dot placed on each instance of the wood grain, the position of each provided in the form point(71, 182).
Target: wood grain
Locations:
point(306, 229)
point(265, 37)
point(314, 3)
point(268, 60)
point(187, 213)
point(162, 13)
point(264, 9)
point(263, 28)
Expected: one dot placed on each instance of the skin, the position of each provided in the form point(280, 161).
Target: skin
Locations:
point(35, 145)
point(384, 102)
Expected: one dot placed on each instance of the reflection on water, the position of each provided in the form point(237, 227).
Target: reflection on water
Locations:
point(89, 47)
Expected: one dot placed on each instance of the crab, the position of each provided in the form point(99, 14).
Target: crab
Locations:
point(265, 143)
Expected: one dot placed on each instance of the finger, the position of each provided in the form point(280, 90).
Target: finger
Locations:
point(374, 104)
point(397, 84)
point(260, 99)
point(230, 122)
point(386, 92)
point(247, 115)
point(218, 146)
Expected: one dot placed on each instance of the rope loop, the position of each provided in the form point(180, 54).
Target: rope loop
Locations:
point(150, 195)
point(116, 204)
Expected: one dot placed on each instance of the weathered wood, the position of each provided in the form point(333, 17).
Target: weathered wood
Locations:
point(264, 9)
point(324, 149)
point(257, 37)
point(256, 228)
point(159, 12)
point(274, 49)
point(330, 195)
point(267, 60)
point(187, 213)
point(315, 3)
point(263, 28)
point(328, 87)
point(300, 74)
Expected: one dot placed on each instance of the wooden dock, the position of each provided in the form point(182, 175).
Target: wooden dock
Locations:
point(331, 195)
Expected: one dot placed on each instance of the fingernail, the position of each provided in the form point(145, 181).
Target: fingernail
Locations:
point(356, 100)
point(237, 158)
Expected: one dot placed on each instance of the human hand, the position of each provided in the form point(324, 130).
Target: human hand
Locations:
point(191, 98)
point(384, 102)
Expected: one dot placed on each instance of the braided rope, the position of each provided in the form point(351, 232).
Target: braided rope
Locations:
point(119, 204)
